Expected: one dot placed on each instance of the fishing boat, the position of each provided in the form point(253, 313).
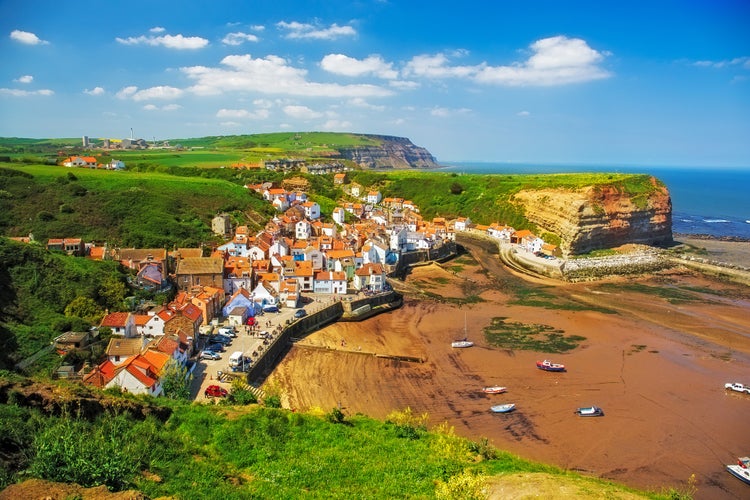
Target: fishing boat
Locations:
point(465, 342)
point(549, 366)
point(741, 470)
point(495, 389)
point(590, 411)
point(503, 408)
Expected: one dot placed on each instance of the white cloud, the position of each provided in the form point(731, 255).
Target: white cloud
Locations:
point(447, 112)
point(24, 79)
point(269, 75)
point(94, 91)
point(296, 30)
point(263, 103)
point(436, 66)
point(27, 38)
point(344, 65)
point(301, 112)
point(179, 42)
point(337, 125)
point(259, 114)
point(127, 92)
point(358, 102)
point(158, 92)
point(257, 27)
point(166, 107)
point(238, 38)
point(25, 93)
point(556, 61)
point(157, 29)
point(743, 62)
point(230, 124)
point(523, 113)
point(404, 84)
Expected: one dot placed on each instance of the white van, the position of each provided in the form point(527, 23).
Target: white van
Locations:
point(235, 359)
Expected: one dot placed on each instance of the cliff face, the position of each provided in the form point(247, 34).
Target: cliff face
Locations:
point(394, 152)
point(599, 217)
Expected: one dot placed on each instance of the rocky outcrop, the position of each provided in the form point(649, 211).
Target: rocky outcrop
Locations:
point(602, 216)
point(393, 152)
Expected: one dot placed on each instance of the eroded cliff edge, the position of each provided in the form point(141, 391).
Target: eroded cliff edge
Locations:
point(602, 216)
point(393, 152)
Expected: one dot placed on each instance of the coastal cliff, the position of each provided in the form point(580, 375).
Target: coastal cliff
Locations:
point(393, 152)
point(602, 216)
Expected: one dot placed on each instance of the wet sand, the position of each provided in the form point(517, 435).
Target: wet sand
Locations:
point(657, 369)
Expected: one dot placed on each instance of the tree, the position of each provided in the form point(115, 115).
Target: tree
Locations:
point(175, 381)
point(86, 309)
point(113, 291)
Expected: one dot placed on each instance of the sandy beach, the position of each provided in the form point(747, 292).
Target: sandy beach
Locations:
point(655, 362)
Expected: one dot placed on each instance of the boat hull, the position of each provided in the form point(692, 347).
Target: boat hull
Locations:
point(503, 408)
point(550, 367)
point(494, 390)
point(462, 344)
point(591, 411)
point(740, 473)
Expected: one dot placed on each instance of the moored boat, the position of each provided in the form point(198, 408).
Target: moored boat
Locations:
point(503, 408)
point(590, 411)
point(549, 366)
point(741, 470)
point(462, 343)
point(495, 389)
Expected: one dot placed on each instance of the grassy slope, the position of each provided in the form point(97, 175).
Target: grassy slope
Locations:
point(206, 451)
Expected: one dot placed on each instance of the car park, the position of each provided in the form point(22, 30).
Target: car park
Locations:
point(300, 313)
point(209, 355)
point(215, 391)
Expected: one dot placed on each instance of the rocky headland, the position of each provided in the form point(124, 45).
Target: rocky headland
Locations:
point(393, 152)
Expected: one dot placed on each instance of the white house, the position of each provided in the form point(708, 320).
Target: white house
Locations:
point(302, 230)
point(462, 224)
point(312, 210)
point(330, 282)
point(374, 197)
point(369, 277)
point(338, 215)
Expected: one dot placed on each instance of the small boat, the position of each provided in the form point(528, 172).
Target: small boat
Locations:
point(503, 408)
point(590, 411)
point(495, 389)
point(741, 470)
point(549, 366)
point(465, 342)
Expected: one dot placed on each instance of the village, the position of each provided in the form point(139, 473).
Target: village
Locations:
point(254, 284)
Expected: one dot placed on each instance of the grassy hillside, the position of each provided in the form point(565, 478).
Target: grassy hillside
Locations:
point(486, 198)
point(142, 209)
point(217, 451)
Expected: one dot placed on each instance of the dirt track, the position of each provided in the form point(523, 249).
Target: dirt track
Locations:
point(656, 367)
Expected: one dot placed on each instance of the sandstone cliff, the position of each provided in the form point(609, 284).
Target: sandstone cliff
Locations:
point(597, 217)
point(393, 152)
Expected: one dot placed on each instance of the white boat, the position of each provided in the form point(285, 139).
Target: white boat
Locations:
point(503, 408)
point(590, 411)
point(465, 342)
point(495, 389)
point(741, 470)
point(462, 343)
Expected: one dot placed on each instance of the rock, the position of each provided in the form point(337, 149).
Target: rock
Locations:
point(603, 216)
point(394, 152)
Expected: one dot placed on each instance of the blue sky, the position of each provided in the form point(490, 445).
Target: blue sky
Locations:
point(583, 82)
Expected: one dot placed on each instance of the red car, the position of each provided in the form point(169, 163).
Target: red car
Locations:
point(214, 391)
point(250, 321)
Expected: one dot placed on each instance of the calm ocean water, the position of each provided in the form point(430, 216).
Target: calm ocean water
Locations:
point(714, 201)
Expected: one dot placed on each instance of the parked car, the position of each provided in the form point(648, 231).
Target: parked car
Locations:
point(300, 313)
point(228, 331)
point(250, 321)
point(209, 355)
point(216, 347)
point(270, 309)
point(214, 391)
point(221, 339)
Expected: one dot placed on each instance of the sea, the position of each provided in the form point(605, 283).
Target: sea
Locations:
point(708, 201)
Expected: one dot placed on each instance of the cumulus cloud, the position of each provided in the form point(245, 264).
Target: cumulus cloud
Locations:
point(238, 38)
point(258, 114)
point(358, 102)
point(25, 93)
point(94, 91)
point(158, 92)
point(269, 75)
point(348, 66)
point(555, 61)
point(157, 29)
point(296, 30)
point(179, 42)
point(27, 37)
point(337, 125)
point(301, 112)
point(447, 112)
point(167, 107)
point(24, 79)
